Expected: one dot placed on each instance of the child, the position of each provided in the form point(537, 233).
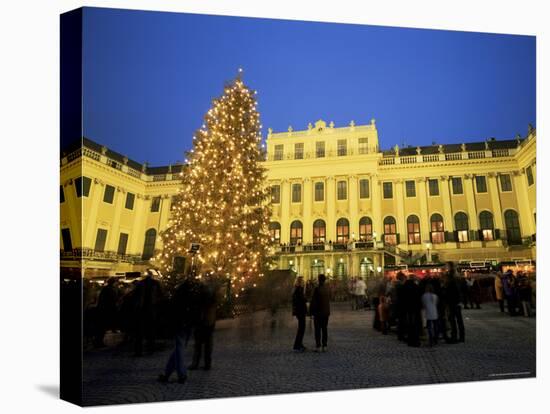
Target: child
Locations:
point(429, 303)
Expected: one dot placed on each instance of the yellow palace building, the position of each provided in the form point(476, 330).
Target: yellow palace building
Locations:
point(340, 205)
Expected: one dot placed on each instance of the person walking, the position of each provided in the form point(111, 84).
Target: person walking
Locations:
point(452, 296)
point(206, 322)
point(499, 292)
point(183, 308)
point(430, 302)
point(299, 310)
point(320, 309)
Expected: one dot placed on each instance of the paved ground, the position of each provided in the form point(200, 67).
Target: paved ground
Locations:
point(252, 356)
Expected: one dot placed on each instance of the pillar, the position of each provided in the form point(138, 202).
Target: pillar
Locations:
point(353, 198)
point(447, 208)
point(331, 209)
point(424, 215)
point(471, 201)
point(90, 229)
point(113, 237)
point(307, 222)
point(401, 219)
point(495, 200)
point(285, 211)
point(376, 207)
point(526, 220)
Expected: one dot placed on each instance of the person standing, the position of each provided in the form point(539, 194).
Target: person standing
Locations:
point(452, 296)
point(399, 305)
point(107, 311)
point(413, 307)
point(499, 292)
point(183, 310)
point(299, 310)
point(360, 293)
point(206, 322)
point(384, 312)
point(148, 296)
point(320, 309)
point(430, 302)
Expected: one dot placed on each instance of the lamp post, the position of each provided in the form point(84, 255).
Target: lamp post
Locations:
point(429, 254)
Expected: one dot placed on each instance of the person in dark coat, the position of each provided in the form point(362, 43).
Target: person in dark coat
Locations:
point(413, 309)
point(399, 305)
point(299, 310)
point(206, 322)
point(148, 295)
point(183, 310)
point(454, 311)
point(106, 312)
point(320, 309)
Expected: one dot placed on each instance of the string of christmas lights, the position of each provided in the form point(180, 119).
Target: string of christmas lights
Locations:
point(223, 201)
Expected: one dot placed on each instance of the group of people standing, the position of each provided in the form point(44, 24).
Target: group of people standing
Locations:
point(518, 291)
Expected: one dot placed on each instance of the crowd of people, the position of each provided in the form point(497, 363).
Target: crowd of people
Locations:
point(429, 307)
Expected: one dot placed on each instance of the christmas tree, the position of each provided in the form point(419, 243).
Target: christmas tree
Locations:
point(222, 204)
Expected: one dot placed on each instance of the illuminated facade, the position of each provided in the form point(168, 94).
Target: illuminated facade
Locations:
point(339, 204)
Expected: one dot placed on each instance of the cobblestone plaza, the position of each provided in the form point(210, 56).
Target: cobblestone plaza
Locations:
point(252, 356)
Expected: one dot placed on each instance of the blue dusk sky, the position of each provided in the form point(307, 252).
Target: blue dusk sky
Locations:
point(149, 78)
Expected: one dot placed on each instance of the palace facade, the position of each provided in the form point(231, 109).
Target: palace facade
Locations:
point(340, 205)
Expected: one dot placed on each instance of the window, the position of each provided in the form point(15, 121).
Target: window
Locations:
point(433, 186)
point(364, 188)
point(82, 186)
point(278, 154)
point(486, 225)
point(296, 193)
point(457, 185)
point(342, 190)
point(410, 188)
point(109, 194)
point(505, 182)
point(529, 173)
point(149, 244)
point(390, 231)
point(342, 147)
point(481, 184)
point(388, 190)
point(320, 149)
point(61, 194)
point(319, 191)
point(67, 243)
point(363, 145)
point(296, 232)
point(275, 194)
point(413, 230)
point(437, 233)
point(461, 227)
point(511, 221)
point(155, 204)
point(365, 229)
point(100, 239)
point(319, 231)
point(130, 201)
point(299, 151)
point(275, 232)
point(122, 243)
point(342, 230)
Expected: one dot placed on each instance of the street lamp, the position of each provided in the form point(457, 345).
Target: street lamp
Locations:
point(429, 255)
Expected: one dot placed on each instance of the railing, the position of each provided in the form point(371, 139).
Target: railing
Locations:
point(387, 161)
point(501, 152)
point(475, 155)
point(430, 158)
point(453, 157)
point(159, 177)
point(134, 173)
point(91, 154)
point(408, 160)
point(327, 154)
point(74, 155)
point(91, 254)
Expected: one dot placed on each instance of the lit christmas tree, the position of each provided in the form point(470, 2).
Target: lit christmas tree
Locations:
point(223, 203)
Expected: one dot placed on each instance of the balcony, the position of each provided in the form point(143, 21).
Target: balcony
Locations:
point(104, 256)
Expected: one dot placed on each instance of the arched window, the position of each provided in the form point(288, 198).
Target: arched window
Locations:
point(413, 230)
point(365, 229)
point(319, 231)
point(486, 225)
point(437, 230)
point(513, 232)
point(390, 231)
point(275, 232)
point(342, 230)
point(461, 227)
point(296, 232)
point(149, 245)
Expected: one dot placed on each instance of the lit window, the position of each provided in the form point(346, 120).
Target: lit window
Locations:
point(413, 230)
point(296, 232)
point(486, 225)
point(461, 226)
point(275, 194)
point(390, 231)
point(342, 230)
point(365, 229)
point(437, 230)
point(275, 232)
point(319, 231)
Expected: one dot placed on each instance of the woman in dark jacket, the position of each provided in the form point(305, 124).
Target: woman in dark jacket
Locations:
point(299, 309)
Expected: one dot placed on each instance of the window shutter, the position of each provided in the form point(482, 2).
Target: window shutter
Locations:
point(479, 235)
point(398, 239)
point(474, 235)
point(497, 234)
point(431, 241)
point(455, 235)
